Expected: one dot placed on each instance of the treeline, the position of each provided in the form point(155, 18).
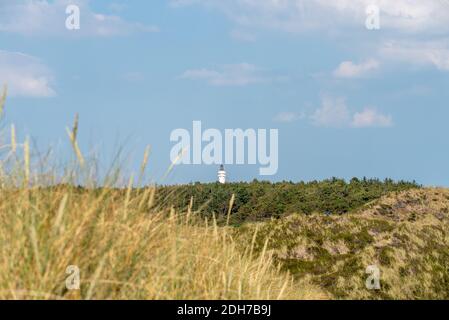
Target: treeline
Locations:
point(259, 200)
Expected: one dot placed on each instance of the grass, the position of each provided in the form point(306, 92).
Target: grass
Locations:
point(405, 234)
point(126, 250)
point(123, 245)
point(129, 246)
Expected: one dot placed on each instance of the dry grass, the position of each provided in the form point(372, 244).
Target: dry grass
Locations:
point(124, 247)
point(405, 234)
point(125, 250)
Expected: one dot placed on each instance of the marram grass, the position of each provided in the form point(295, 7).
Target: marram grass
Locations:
point(123, 246)
point(127, 247)
point(126, 250)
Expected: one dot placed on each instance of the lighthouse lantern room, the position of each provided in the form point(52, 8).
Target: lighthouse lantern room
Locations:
point(222, 175)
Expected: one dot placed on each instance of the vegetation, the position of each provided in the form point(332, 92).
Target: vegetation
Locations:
point(124, 245)
point(258, 201)
point(125, 250)
point(286, 241)
point(406, 235)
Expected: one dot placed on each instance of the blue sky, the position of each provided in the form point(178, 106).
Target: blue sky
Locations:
point(347, 101)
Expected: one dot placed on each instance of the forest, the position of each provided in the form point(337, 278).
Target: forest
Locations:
point(263, 200)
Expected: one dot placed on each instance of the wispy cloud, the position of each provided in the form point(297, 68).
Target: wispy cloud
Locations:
point(332, 113)
point(287, 117)
point(242, 36)
point(25, 75)
point(241, 74)
point(47, 18)
point(435, 53)
point(423, 23)
point(336, 114)
point(371, 118)
point(409, 16)
point(349, 69)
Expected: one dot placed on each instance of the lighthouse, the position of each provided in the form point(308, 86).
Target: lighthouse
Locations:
point(222, 175)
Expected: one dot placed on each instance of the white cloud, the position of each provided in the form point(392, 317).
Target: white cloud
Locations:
point(331, 114)
point(349, 69)
point(434, 53)
point(421, 21)
point(47, 18)
point(25, 75)
point(407, 16)
point(242, 36)
point(287, 117)
point(241, 74)
point(371, 118)
point(298, 15)
point(117, 7)
point(336, 114)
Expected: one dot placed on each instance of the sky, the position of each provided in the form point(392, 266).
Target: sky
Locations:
point(347, 100)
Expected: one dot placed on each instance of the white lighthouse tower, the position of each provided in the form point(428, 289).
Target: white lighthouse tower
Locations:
point(222, 175)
